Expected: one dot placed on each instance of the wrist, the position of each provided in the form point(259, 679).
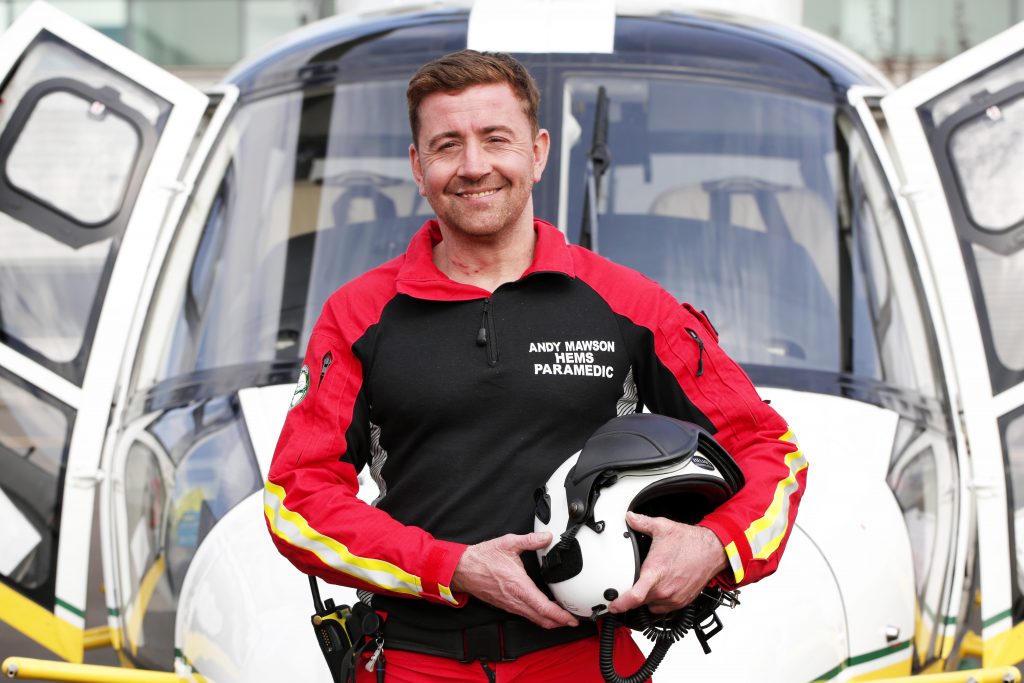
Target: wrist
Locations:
point(715, 551)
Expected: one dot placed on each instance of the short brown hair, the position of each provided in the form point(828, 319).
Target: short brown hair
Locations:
point(460, 70)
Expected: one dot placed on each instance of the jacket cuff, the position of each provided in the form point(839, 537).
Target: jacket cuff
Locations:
point(737, 550)
point(438, 571)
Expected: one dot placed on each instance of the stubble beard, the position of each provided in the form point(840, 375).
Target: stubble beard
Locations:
point(486, 222)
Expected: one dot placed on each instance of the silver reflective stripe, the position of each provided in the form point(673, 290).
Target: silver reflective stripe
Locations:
point(378, 456)
point(628, 401)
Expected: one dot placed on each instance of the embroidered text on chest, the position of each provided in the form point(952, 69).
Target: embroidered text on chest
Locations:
point(576, 357)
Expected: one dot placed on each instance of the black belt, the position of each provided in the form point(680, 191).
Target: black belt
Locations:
point(499, 642)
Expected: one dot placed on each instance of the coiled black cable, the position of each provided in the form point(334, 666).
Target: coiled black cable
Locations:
point(664, 632)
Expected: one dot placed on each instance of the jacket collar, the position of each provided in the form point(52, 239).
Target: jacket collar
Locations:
point(420, 278)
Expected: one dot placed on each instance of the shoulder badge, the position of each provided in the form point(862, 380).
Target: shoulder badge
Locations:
point(301, 387)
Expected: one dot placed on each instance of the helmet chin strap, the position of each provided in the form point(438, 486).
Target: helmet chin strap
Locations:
point(699, 616)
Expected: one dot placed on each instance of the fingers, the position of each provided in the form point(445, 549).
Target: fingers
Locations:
point(681, 561)
point(493, 572)
point(543, 612)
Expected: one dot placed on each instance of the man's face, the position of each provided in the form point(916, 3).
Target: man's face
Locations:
point(477, 159)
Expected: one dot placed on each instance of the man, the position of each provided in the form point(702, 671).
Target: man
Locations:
point(464, 372)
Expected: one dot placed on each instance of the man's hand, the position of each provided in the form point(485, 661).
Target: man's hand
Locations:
point(682, 561)
point(493, 572)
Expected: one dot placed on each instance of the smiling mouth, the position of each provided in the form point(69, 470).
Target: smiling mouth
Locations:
point(476, 195)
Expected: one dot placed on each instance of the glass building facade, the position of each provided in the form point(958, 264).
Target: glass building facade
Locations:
point(205, 37)
point(197, 36)
point(907, 37)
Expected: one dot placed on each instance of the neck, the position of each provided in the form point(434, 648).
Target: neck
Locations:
point(486, 262)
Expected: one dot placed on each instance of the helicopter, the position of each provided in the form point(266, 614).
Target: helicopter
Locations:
point(167, 250)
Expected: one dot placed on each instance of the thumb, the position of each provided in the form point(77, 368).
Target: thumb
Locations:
point(640, 522)
point(632, 598)
point(531, 541)
point(537, 540)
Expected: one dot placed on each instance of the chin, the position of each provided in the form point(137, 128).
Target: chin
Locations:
point(481, 226)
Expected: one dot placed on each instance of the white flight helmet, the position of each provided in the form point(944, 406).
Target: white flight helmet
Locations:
point(650, 464)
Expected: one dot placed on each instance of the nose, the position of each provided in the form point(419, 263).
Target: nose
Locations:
point(475, 164)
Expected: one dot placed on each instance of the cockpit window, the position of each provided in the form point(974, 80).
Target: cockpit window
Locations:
point(318, 191)
point(725, 196)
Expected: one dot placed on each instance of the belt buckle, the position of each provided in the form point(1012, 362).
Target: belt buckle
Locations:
point(483, 642)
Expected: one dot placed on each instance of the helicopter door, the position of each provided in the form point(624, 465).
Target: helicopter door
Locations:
point(958, 132)
point(92, 143)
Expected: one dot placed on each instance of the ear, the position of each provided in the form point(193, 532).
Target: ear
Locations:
point(417, 171)
point(541, 146)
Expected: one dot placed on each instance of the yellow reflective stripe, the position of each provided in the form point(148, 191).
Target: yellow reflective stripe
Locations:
point(766, 534)
point(291, 527)
point(734, 561)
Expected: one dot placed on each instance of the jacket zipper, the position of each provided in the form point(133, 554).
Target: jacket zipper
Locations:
point(700, 350)
point(328, 359)
point(485, 335)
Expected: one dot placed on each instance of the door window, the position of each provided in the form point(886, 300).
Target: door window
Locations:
point(976, 131)
point(1013, 450)
point(186, 471)
point(923, 480)
point(998, 282)
point(988, 153)
point(34, 435)
point(76, 141)
point(79, 133)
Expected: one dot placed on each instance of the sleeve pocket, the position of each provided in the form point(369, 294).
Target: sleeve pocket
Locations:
point(703, 319)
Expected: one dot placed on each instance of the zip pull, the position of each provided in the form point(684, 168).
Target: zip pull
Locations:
point(481, 334)
point(328, 358)
point(485, 337)
point(700, 347)
point(378, 654)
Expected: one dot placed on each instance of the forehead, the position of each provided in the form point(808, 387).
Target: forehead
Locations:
point(478, 106)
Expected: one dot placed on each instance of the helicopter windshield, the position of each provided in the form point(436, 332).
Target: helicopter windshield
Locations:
point(735, 198)
point(317, 191)
point(723, 195)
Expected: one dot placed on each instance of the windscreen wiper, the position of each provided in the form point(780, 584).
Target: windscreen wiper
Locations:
point(599, 158)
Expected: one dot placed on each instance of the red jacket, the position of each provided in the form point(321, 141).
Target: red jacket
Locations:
point(462, 402)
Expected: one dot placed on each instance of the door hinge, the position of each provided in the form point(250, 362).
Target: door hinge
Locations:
point(911, 190)
point(984, 488)
point(85, 478)
point(179, 186)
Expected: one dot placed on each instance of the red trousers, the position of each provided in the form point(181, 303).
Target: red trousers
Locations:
point(576, 662)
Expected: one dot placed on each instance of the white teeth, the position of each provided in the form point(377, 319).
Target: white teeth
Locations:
point(477, 195)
